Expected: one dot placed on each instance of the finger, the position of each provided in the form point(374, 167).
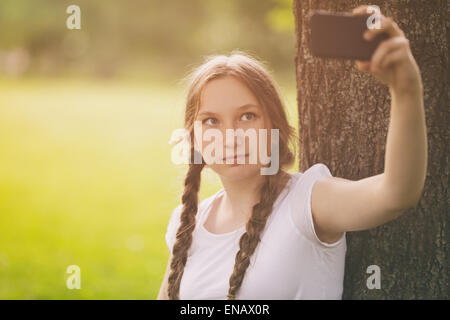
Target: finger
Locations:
point(393, 57)
point(384, 48)
point(362, 9)
point(387, 25)
point(363, 65)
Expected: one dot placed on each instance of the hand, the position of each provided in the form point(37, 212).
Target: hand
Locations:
point(392, 63)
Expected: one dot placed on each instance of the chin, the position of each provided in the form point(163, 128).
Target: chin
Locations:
point(237, 172)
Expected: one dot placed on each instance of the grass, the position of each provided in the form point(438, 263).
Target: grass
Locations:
point(86, 179)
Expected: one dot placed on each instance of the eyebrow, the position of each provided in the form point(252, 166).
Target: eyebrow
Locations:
point(245, 106)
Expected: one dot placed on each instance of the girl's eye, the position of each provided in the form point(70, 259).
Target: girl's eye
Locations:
point(210, 123)
point(249, 114)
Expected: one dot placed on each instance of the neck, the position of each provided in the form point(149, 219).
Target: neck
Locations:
point(241, 195)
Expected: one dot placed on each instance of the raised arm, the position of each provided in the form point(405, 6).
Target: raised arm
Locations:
point(340, 205)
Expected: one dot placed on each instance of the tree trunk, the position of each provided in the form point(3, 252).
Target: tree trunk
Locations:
point(343, 122)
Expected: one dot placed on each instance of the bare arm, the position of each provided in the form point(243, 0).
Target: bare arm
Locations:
point(340, 205)
point(406, 148)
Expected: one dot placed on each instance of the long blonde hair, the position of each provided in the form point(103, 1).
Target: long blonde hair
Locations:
point(254, 74)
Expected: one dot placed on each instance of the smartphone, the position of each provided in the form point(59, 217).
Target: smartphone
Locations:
point(340, 35)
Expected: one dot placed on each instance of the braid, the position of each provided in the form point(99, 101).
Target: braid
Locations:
point(187, 225)
point(255, 225)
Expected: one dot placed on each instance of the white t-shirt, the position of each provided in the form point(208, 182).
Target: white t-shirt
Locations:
point(290, 262)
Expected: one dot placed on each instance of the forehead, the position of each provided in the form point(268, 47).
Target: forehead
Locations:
point(225, 93)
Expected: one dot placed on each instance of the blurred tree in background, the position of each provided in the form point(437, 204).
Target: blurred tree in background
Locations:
point(344, 124)
point(151, 38)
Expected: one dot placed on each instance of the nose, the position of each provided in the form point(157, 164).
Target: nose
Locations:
point(234, 139)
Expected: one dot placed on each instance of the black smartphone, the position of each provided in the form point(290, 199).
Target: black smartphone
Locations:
point(340, 35)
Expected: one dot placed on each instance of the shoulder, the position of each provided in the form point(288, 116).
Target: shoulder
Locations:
point(175, 219)
point(318, 202)
point(303, 202)
point(202, 205)
point(318, 170)
point(304, 181)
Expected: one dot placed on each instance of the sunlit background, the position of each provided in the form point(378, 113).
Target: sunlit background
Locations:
point(86, 176)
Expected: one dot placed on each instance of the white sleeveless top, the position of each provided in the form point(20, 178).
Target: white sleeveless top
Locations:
point(290, 262)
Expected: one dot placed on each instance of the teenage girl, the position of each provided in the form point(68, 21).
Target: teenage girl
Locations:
point(282, 236)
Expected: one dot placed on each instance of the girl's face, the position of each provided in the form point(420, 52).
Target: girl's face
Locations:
point(227, 103)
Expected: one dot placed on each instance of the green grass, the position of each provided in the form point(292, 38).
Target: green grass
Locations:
point(86, 179)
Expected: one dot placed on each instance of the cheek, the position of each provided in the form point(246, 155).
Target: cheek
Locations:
point(265, 142)
point(201, 139)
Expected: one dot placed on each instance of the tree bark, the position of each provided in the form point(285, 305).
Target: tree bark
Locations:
point(343, 122)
